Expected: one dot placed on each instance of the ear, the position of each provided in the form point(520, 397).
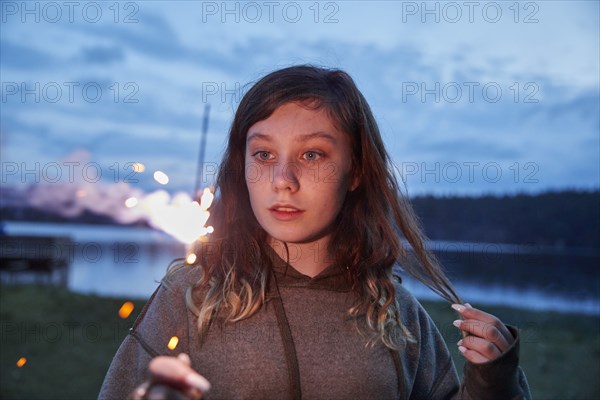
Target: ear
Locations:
point(354, 183)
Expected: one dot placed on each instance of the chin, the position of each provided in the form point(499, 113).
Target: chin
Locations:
point(288, 238)
point(294, 237)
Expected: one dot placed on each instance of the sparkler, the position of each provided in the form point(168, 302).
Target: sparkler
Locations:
point(181, 217)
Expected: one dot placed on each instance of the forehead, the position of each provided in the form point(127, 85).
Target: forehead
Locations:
point(293, 120)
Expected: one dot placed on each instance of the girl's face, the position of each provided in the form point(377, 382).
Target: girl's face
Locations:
point(298, 172)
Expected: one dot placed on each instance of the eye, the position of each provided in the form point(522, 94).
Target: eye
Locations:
point(262, 155)
point(311, 156)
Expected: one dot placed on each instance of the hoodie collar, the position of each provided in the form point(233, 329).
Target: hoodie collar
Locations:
point(334, 277)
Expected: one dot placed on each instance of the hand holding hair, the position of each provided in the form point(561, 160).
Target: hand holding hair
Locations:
point(487, 337)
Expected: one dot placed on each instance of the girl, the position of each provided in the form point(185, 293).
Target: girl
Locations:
point(297, 293)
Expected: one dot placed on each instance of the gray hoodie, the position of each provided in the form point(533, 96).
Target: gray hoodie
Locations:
point(302, 344)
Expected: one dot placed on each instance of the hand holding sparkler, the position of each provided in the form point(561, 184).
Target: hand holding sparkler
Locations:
point(172, 378)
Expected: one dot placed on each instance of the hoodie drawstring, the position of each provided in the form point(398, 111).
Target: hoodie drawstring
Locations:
point(289, 347)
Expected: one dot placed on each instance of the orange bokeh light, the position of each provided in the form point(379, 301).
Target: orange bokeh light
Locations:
point(126, 309)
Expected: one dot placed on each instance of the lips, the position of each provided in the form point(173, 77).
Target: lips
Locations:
point(285, 212)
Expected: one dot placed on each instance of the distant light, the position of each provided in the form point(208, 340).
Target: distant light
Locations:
point(139, 167)
point(173, 343)
point(191, 258)
point(131, 202)
point(21, 362)
point(210, 229)
point(126, 309)
point(80, 193)
point(161, 177)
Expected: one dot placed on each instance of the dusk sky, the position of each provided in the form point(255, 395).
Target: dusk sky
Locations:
point(471, 97)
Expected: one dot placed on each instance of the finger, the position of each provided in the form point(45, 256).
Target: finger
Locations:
point(173, 371)
point(483, 347)
point(194, 392)
point(482, 315)
point(472, 355)
point(164, 392)
point(485, 331)
point(198, 385)
point(468, 312)
point(140, 391)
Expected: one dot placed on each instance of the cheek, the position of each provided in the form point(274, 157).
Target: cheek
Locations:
point(330, 183)
point(337, 175)
point(254, 192)
point(331, 173)
point(253, 174)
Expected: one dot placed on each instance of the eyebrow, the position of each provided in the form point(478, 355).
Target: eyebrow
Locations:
point(302, 138)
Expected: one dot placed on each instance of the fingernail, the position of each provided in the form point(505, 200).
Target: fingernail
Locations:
point(458, 307)
point(460, 342)
point(199, 382)
point(468, 305)
point(457, 323)
point(462, 349)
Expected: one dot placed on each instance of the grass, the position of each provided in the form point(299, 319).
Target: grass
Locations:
point(560, 353)
point(69, 340)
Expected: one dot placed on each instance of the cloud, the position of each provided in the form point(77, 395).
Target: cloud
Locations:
point(25, 57)
point(168, 57)
point(102, 54)
point(153, 36)
point(470, 149)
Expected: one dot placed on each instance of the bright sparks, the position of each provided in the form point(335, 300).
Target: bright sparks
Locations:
point(126, 309)
point(173, 343)
point(131, 202)
point(180, 216)
point(139, 167)
point(161, 177)
point(22, 361)
point(191, 258)
point(206, 199)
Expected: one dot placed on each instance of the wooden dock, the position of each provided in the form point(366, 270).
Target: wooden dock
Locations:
point(35, 259)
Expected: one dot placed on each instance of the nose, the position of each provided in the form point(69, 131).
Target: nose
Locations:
point(286, 177)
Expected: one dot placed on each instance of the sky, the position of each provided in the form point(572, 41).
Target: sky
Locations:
point(472, 98)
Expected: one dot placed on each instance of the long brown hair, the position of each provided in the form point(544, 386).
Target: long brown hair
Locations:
point(376, 227)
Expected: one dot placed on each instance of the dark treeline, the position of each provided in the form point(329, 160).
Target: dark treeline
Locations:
point(31, 214)
point(565, 219)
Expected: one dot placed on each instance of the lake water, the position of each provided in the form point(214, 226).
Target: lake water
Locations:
point(129, 262)
point(110, 260)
